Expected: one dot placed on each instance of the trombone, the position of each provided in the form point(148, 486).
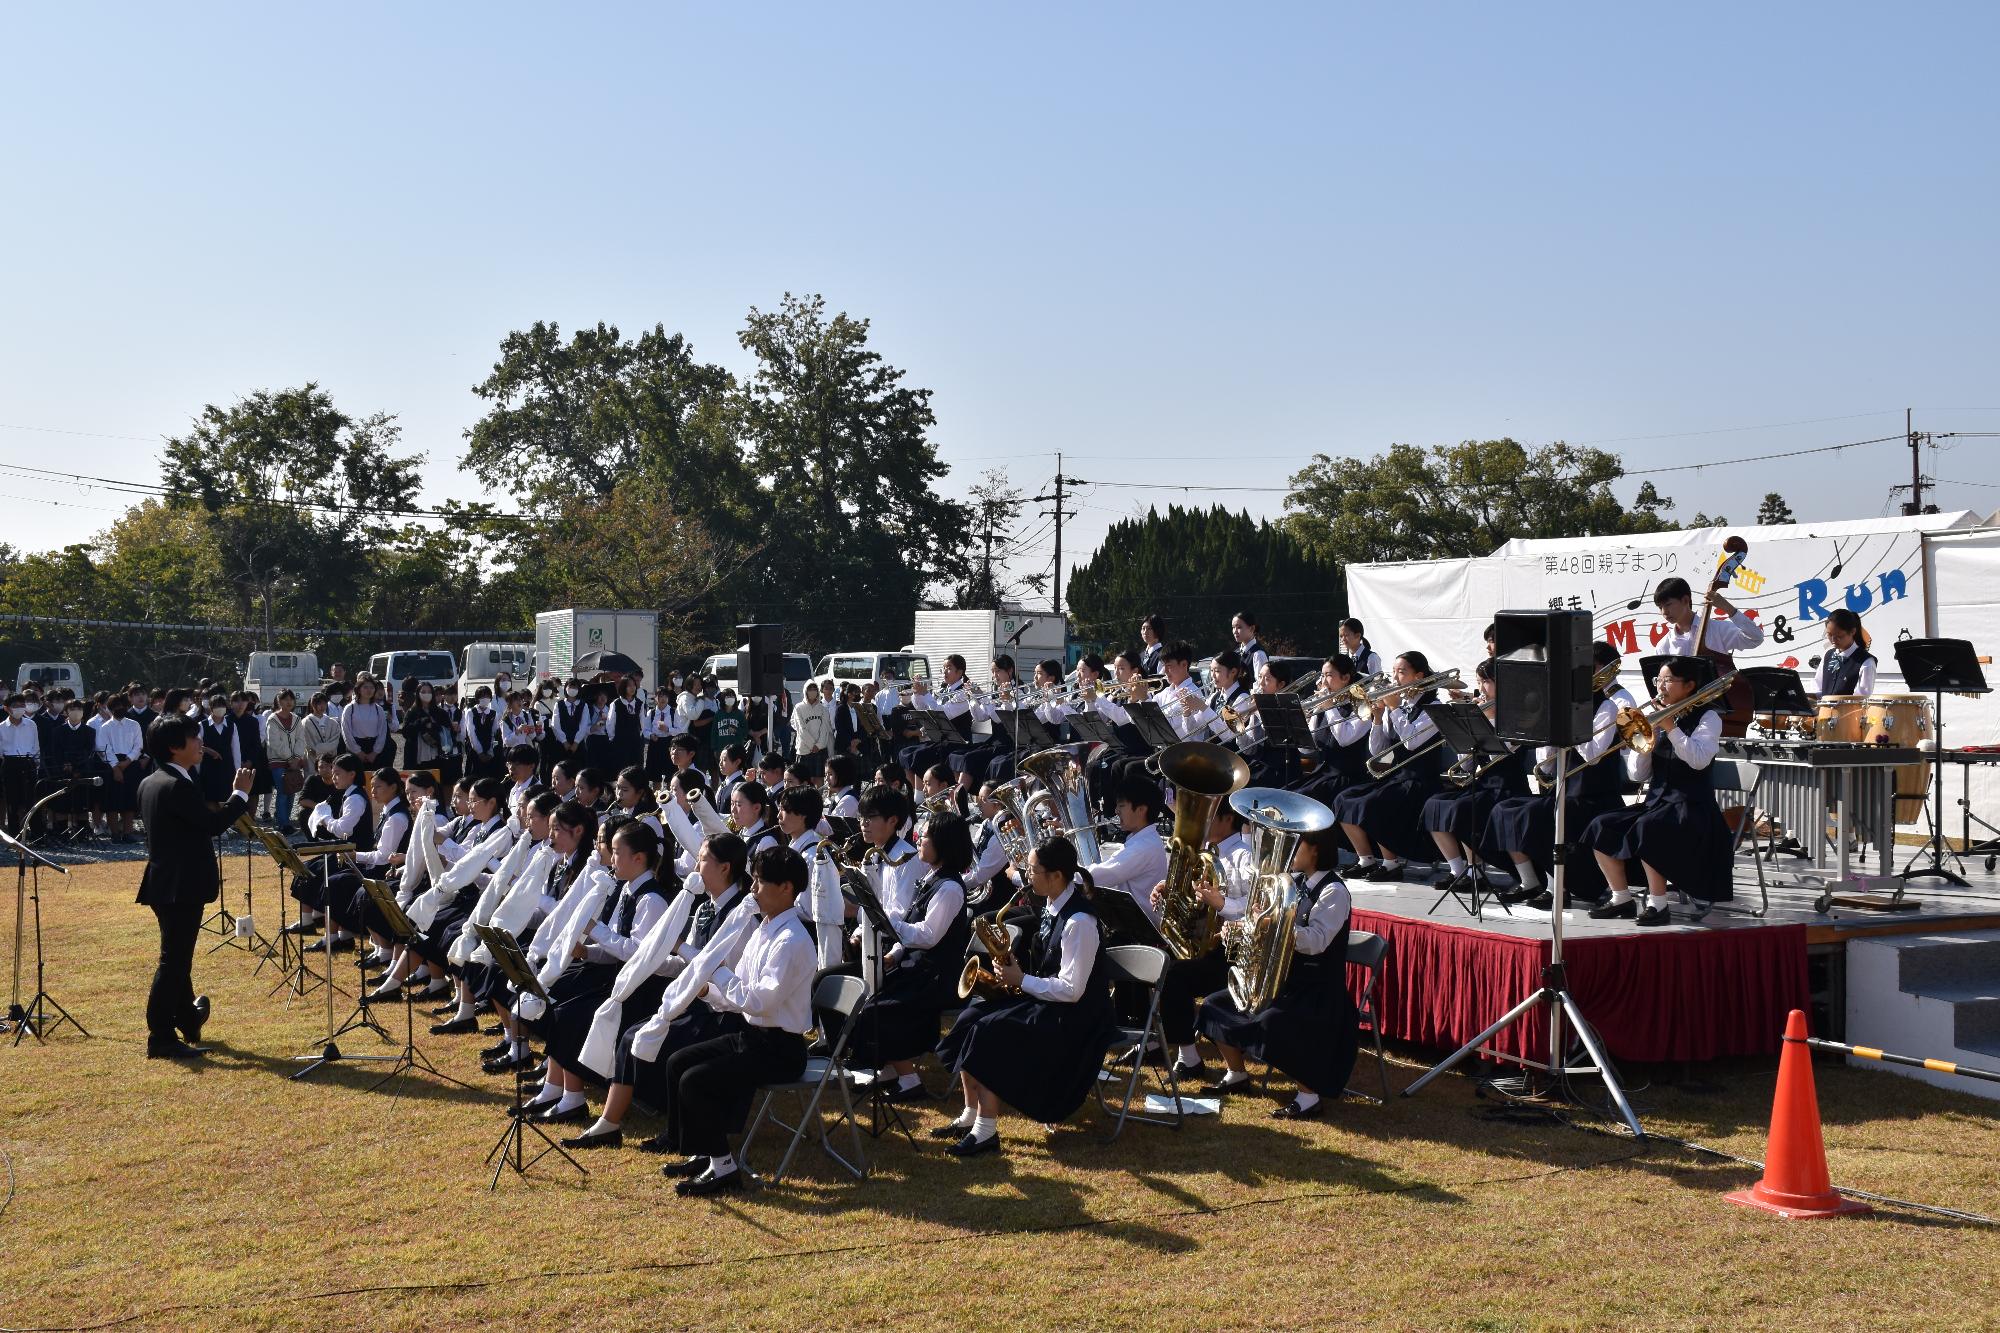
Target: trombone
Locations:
point(1639, 729)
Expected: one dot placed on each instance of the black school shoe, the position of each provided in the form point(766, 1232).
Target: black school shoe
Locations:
point(1655, 916)
point(971, 1147)
point(709, 1183)
point(1293, 1111)
point(1624, 911)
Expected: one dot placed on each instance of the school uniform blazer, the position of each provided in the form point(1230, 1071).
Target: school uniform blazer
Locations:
point(180, 860)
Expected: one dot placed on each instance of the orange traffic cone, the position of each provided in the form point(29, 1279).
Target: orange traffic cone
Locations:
point(1795, 1182)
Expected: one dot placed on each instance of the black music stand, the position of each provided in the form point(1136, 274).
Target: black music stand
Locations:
point(1776, 690)
point(1470, 734)
point(1028, 732)
point(513, 965)
point(936, 727)
point(250, 939)
point(1150, 721)
point(1124, 914)
point(883, 1114)
point(33, 1017)
point(329, 1051)
point(1287, 728)
point(409, 1059)
point(1093, 729)
point(1937, 667)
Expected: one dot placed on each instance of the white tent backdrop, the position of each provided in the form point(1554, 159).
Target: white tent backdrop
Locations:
point(1903, 575)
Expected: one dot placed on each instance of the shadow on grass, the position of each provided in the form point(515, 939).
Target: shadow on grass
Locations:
point(352, 1075)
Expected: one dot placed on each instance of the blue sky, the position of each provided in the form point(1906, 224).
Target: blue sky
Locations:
point(1180, 244)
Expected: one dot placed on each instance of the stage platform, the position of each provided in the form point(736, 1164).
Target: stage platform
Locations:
point(1694, 990)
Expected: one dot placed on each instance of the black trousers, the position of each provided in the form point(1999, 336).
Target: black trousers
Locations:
point(18, 775)
point(170, 1003)
point(1184, 984)
point(710, 1085)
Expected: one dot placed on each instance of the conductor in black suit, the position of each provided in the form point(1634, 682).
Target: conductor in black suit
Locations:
point(181, 878)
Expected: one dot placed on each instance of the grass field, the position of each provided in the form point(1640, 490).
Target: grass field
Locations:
point(157, 1196)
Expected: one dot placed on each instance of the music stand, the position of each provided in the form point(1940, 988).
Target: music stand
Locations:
point(1469, 732)
point(1777, 690)
point(1150, 721)
point(1127, 917)
point(251, 940)
point(402, 928)
point(1094, 729)
point(290, 958)
point(1286, 727)
point(513, 965)
point(937, 728)
point(33, 1016)
point(1028, 732)
point(329, 1051)
point(1937, 667)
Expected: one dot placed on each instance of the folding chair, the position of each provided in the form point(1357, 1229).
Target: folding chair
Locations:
point(1736, 780)
point(1143, 965)
point(1370, 951)
point(842, 995)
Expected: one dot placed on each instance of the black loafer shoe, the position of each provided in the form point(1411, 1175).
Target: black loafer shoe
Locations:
point(576, 1115)
point(687, 1170)
point(1187, 1073)
point(1655, 916)
point(1542, 902)
point(496, 1050)
point(603, 1138)
point(949, 1131)
point(172, 1050)
point(393, 995)
point(301, 928)
point(971, 1147)
point(455, 1027)
point(202, 1009)
point(505, 1064)
point(896, 1092)
point(706, 1184)
point(1382, 873)
point(1624, 911)
point(656, 1145)
point(1293, 1111)
point(1222, 1089)
point(529, 1108)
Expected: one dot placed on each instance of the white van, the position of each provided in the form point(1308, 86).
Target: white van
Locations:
point(427, 666)
point(267, 673)
point(884, 668)
point(485, 661)
point(49, 675)
point(798, 671)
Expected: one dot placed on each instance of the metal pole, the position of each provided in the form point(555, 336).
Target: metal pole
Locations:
point(1057, 585)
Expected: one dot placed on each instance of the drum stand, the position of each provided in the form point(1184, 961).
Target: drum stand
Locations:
point(1553, 992)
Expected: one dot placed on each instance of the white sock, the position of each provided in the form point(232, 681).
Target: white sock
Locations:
point(1531, 875)
point(722, 1165)
point(571, 1100)
point(466, 1009)
point(1656, 902)
point(548, 1092)
point(1306, 1100)
point(1392, 863)
point(1455, 864)
point(965, 1119)
point(1190, 1054)
point(1235, 1076)
point(600, 1126)
point(1366, 862)
point(984, 1127)
point(909, 1081)
point(1619, 897)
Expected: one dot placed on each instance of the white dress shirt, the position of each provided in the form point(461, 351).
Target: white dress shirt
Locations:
point(1413, 729)
point(20, 740)
point(1329, 913)
point(1134, 867)
point(1864, 684)
point(119, 738)
point(1696, 748)
point(1079, 955)
point(359, 721)
point(846, 804)
point(1724, 636)
point(606, 944)
point(1603, 734)
point(947, 902)
point(388, 840)
point(992, 859)
point(896, 886)
point(339, 827)
point(771, 984)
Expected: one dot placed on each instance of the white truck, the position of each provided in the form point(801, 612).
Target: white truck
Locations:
point(980, 636)
point(485, 661)
point(561, 637)
point(264, 674)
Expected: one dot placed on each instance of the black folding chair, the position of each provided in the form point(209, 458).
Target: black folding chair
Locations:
point(837, 994)
point(1143, 965)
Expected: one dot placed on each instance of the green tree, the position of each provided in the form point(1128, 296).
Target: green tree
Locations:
point(1198, 567)
point(1460, 500)
point(846, 470)
point(1774, 511)
point(290, 490)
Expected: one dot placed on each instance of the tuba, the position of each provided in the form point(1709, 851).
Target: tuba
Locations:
point(1203, 775)
point(1063, 796)
point(1258, 948)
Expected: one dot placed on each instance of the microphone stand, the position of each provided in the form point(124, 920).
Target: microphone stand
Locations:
point(34, 1016)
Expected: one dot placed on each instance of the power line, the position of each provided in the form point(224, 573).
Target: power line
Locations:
point(124, 487)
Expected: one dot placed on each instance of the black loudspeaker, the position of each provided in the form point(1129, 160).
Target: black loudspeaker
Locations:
point(1543, 676)
point(760, 663)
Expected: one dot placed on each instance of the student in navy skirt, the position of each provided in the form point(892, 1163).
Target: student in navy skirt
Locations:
point(921, 970)
point(1308, 1031)
point(1457, 818)
point(1038, 1051)
point(1386, 815)
point(1340, 735)
point(1522, 829)
point(1678, 835)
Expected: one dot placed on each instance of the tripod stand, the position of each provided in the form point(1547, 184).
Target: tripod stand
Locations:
point(511, 1150)
point(1553, 992)
point(409, 1059)
point(33, 1017)
point(329, 1051)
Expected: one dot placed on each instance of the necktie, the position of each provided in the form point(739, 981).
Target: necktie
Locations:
point(704, 920)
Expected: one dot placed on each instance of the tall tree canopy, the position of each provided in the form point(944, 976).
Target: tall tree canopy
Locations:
point(1199, 567)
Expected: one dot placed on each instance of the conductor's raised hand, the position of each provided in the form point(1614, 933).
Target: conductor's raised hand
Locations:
point(246, 778)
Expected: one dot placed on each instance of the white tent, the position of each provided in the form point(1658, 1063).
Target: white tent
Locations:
point(1928, 575)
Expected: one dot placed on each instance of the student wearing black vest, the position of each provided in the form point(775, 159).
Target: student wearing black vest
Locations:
point(1459, 818)
point(1340, 737)
point(920, 971)
point(1678, 835)
point(1308, 1030)
point(481, 730)
point(627, 917)
point(725, 890)
point(342, 817)
point(1039, 1050)
point(219, 756)
point(352, 908)
point(1386, 815)
point(1849, 664)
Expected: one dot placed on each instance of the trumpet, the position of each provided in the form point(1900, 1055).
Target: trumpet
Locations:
point(1639, 729)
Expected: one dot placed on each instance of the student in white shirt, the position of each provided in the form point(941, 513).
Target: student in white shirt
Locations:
point(20, 758)
point(710, 1085)
point(119, 748)
point(1676, 603)
point(1140, 862)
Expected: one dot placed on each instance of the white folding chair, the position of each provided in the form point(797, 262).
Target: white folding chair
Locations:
point(842, 995)
point(1146, 966)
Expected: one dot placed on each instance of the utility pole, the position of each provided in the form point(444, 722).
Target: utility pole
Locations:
point(1916, 504)
point(1059, 514)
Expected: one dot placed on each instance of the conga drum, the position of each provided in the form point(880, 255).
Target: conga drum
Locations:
point(1841, 717)
point(1905, 720)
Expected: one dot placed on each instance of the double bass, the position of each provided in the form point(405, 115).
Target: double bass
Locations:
point(1737, 710)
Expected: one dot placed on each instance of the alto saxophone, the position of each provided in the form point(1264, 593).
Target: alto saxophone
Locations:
point(979, 979)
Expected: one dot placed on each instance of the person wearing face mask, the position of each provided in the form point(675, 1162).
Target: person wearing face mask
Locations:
point(521, 725)
point(20, 760)
point(71, 755)
point(250, 744)
point(570, 726)
point(119, 743)
point(548, 697)
point(480, 730)
point(218, 751)
point(426, 730)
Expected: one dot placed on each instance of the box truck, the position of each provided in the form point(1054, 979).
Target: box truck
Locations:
point(561, 637)
point(980, 636)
